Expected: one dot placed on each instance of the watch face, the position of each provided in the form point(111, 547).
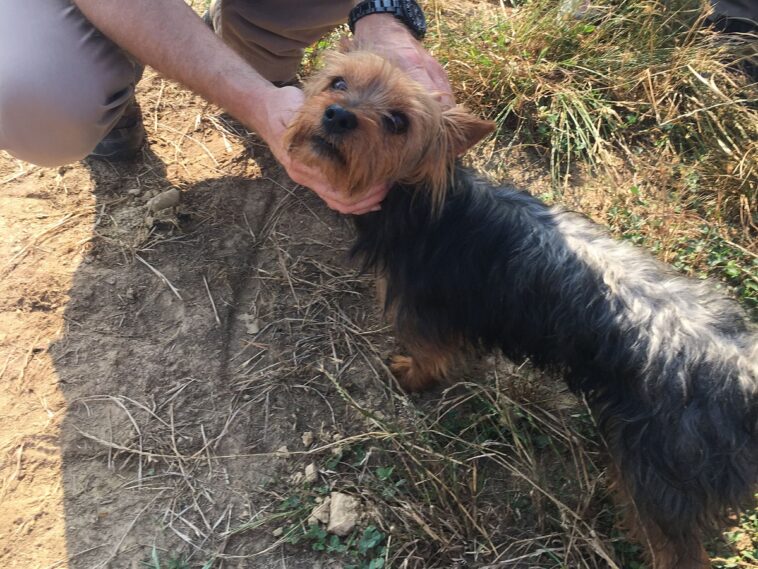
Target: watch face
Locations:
point(415, 16)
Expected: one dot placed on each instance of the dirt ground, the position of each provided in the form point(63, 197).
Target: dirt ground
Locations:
point(192, 338)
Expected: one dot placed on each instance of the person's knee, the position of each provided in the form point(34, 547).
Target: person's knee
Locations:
point(63, 85)
point(48, 124)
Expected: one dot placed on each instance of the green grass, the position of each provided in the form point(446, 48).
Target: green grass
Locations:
point(363, 549)
point(504, 469)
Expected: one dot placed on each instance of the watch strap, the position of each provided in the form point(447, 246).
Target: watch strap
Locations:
point(371, 7)
point(367, 7)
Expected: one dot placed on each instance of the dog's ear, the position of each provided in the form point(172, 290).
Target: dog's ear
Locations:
point(459, 131)
point(463, 129)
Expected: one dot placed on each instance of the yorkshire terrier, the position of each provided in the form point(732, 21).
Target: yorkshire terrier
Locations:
point(669, 366)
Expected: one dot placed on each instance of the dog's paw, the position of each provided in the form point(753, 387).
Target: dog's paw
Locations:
point(410, 375)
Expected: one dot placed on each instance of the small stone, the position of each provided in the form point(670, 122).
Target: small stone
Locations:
point(278, 532)
point(282, 450)
point(311, 473)
point(307, 438)
point(134, 191)
point(344, 513)
point(164, 200)
point(252, 324)
point(320, 514)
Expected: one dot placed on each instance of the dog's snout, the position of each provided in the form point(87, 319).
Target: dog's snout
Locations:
point(338, 120)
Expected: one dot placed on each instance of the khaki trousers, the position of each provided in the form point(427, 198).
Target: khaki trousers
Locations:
point(63, 85)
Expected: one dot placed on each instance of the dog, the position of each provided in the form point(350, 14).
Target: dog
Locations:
point(668, 366)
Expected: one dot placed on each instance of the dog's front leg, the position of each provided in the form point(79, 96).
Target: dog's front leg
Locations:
point(420, 372)
point(429, 360)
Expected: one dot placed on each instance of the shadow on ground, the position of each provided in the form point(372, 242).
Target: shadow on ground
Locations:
point(188, 358)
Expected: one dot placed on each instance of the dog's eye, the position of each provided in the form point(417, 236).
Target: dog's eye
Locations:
point(339, 84)
point(395, 122)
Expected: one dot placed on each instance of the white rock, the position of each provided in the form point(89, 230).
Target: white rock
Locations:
point(320, 514)
point(251, 323)
point(344, 513)
point(307, 438)
point(164, 200)
point(311, 473)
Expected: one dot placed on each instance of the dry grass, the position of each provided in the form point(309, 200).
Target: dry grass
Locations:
point(628, 75)
point(640, 95)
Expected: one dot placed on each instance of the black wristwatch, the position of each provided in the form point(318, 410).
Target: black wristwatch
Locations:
point(407, 11)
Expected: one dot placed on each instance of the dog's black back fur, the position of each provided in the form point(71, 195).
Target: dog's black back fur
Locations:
point(668, 366)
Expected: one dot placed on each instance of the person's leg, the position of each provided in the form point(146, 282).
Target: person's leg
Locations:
point(63, 85)
point(273, 34)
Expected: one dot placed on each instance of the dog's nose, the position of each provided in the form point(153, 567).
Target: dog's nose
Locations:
point(337, 120)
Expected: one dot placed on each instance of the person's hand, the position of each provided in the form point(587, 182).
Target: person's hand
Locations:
point(281, 108)
point(385, 35)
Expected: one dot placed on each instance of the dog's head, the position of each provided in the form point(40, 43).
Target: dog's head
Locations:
point(365, 121)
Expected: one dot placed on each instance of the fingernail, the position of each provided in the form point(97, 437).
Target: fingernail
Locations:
point(376, 208)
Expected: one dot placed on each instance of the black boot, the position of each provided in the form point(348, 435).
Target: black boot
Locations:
point(125, 139)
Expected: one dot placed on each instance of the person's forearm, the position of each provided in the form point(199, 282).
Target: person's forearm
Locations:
point(171, 38)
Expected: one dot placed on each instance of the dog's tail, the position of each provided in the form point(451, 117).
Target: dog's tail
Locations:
point(671, 373)
point(685, 447)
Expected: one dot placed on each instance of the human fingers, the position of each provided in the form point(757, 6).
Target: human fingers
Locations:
point(356, 204)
